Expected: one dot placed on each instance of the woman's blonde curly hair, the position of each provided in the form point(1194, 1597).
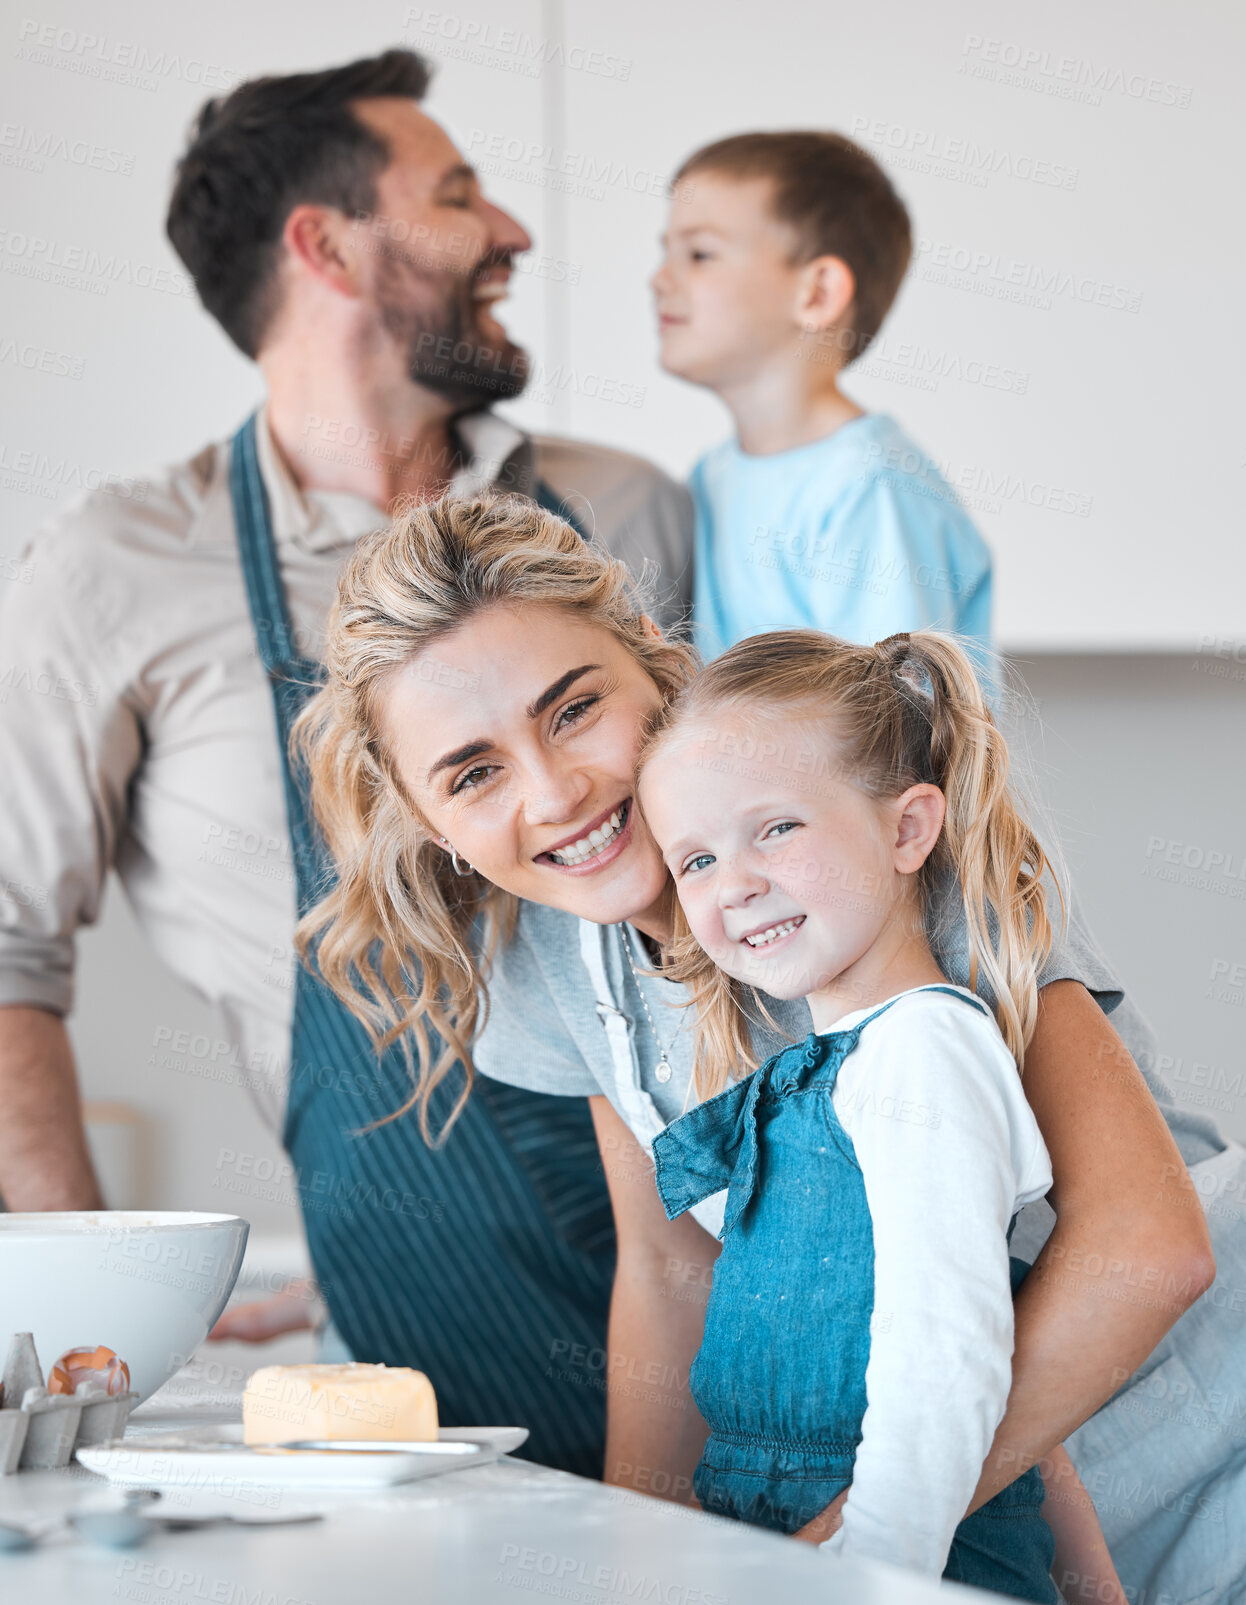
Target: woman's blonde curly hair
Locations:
point(399, 937)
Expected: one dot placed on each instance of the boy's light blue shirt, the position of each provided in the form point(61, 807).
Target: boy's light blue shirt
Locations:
point(857, 534)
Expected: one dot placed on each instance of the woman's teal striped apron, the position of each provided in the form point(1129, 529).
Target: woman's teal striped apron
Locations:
point(486, 1263)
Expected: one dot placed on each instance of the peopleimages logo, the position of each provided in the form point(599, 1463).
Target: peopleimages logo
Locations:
point(1216, 869)
point(469, 39)
point(94, 55)
point(38, 473)
point(1014, 278)
point(22, 893)
point(17, 570)
point(975, 484)
point(43, 359)
point(949, 156)
point(924, 366)
point(31, 148)
point(84, 267)
point(43, 683)
point(577, 172)
point(1025, 66)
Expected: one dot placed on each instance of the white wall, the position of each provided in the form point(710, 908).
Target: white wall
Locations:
point(1143, 767)
point(575, 114)
point(1069, 315)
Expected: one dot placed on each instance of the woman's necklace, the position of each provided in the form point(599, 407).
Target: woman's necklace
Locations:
point(663, 1069)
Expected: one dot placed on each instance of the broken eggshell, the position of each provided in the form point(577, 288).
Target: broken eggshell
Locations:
point(98, 1364)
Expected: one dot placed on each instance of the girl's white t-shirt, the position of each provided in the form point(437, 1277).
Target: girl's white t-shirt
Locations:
point(949, 1151)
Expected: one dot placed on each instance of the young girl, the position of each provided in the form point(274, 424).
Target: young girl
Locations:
point(806, 793)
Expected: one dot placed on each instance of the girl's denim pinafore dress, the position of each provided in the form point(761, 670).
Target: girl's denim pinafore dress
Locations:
point(780, 1376)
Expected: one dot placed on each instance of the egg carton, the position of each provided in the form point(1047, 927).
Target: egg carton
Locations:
point(40, 1431)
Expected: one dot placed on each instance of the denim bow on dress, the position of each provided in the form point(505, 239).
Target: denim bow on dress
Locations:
point(715, 1145)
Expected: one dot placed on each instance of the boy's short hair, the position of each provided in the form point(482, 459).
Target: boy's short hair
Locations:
point(837, 200)
point(253, 156)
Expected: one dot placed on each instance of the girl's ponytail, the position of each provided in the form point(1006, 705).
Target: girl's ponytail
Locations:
point(996, 858)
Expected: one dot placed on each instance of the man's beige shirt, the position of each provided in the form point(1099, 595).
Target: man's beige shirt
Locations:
point(137, 728)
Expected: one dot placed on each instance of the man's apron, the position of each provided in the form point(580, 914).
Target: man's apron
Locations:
point(486, 1263)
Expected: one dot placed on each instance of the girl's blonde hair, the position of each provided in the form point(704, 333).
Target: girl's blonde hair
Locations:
point(400, 938)
point(907, 711)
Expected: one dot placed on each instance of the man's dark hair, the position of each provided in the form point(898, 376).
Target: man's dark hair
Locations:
point(269, 146)
point(836, 199)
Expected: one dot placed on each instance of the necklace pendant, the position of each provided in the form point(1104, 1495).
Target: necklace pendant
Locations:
point(663, 1071)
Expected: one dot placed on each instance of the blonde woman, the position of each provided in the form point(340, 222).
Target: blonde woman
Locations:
point(501, 904)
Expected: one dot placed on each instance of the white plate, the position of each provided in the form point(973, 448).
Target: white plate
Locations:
point(212, 1456)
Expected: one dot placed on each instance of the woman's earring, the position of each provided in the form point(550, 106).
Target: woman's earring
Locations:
point(461, 867)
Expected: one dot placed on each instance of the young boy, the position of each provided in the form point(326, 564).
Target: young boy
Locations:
point(783, 255)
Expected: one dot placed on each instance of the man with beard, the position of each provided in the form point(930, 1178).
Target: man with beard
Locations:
point(341, 241)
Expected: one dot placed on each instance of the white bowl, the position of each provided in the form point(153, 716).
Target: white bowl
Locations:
point(148, 1285)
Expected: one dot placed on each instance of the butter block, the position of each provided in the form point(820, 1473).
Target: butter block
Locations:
point(283, 1403)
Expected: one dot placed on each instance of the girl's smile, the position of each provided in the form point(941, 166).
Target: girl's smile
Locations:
point(772, 936)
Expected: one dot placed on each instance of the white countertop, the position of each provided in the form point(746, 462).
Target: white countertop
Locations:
point(495, 1533)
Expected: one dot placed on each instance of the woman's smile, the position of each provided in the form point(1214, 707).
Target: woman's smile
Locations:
point(594, 845)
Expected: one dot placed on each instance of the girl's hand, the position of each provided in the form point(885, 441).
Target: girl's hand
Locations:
point(824, 1525)
point(1083, 1567)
